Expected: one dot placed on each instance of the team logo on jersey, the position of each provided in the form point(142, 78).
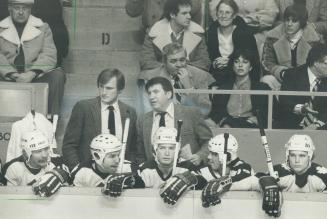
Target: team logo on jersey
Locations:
point(321, 170)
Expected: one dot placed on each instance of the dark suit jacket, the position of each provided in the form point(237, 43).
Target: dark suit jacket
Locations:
point(297, 79)
point(259, 102)
point(85, 123)
point(194, 132)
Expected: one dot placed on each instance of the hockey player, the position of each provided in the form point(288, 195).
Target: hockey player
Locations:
point(159, 172)
point(105, 150)
point(35, 166)
point(236, 175)
point(299, 173)
point(239, 174)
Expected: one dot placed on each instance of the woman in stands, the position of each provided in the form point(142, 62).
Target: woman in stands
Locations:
point(238, 110)
point(228, 33)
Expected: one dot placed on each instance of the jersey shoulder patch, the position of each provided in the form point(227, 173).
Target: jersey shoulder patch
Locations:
point(283, 170)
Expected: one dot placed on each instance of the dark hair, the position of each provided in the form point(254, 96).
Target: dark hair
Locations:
point(230, 3)
point(316, 53)
point(171, 49)
point(164, 82)
point(172, 7)
point(249, 55)
point(109, 73)
point(297, 12)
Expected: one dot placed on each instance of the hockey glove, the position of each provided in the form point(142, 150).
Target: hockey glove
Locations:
point(115, 184)
point(214, 189)
point(176, 186)
point(50, 182)
point(272, 197)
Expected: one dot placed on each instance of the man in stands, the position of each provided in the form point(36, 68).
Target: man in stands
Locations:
point(306, 112)
point(176, 26)
point(36, 167)
point(28, 53)
point(182, 76)
point(50, 12)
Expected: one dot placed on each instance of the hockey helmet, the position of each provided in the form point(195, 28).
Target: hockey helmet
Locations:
point(103, 144)
point(217, 143)
point(164, 135)
point(300, 143)
point(33, 141)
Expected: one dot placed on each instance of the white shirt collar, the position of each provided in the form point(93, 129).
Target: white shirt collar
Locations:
point(104, 106)
point(170, 31)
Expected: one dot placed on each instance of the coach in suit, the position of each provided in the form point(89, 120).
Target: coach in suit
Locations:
point(305, 111)
point(195, 134)
point(92, 117)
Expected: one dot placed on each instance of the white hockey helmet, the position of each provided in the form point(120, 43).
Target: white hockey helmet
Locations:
point(300, 143)
point(217, 143)
point(33, 141)
point(103, 144)
point(164, 135)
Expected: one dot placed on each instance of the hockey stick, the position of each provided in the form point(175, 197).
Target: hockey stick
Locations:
point(178, 145)
point(265, 146)
point(54, 129)
point(33, 115)
point(226, 136)
point(124, 141)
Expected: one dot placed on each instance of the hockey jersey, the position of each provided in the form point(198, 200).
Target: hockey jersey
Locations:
point(241, 173)
point(150, 176)
point(90, 176)
point(18, 173)
point(313, 180)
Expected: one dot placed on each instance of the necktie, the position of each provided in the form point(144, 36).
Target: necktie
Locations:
point(315, 88)
point(111, 120)
point(177, 86)
point(19, 61)
point(162, 122)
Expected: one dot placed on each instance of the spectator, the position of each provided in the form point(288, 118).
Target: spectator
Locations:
point(304, 111)
point(28, 53)
point(225, 35)
point(239, 110)
point(182, 76)
point(317, 12)
point(152, 11)
point(176, 26)
point(259, 15)
point(94, 116)
point(287, 45)
point(195, 134)
point(50, 12)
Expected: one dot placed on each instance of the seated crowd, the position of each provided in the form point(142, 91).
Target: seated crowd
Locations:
point(106, 144)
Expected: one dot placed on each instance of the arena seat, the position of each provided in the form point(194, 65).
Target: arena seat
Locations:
point(16, 100)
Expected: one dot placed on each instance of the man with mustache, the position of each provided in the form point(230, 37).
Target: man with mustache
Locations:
point(36, 167)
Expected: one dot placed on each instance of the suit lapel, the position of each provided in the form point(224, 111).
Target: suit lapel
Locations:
point(147, 128)
point(96, 114)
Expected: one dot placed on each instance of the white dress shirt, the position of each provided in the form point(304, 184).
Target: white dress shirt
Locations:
point(105, 116)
